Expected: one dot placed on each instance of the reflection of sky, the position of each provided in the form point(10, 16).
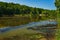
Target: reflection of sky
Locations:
point(46, 4)
point(33, 24)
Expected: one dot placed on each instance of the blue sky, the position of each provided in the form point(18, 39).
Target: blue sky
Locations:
point(45, 4)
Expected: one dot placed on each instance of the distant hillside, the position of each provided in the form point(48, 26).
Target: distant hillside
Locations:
point(12, 9)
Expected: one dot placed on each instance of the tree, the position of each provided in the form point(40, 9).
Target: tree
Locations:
point(57, 4)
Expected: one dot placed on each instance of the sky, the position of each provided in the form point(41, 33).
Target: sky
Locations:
point(45, 4)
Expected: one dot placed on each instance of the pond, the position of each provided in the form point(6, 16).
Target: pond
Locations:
point(37, 26)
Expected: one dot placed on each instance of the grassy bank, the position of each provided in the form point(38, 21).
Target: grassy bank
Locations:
point(13, 21)
point(21, 34)
point(17, 20)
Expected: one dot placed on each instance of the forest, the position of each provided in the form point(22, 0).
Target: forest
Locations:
point(11, 9)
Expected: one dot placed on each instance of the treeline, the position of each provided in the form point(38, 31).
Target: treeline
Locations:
point(12, 9)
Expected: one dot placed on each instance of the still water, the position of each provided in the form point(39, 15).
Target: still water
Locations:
point(31, 24)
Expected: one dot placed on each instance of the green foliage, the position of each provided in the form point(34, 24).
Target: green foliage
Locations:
point(12, 9)
point(57, 3)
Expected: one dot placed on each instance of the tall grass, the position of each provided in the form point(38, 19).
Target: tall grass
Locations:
point(21, 19)
point(16, 20)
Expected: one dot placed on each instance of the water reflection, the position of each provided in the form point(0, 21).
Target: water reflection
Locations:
point(32, 24)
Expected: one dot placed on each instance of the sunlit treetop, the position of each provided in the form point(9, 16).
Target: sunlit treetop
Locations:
point(57, 3)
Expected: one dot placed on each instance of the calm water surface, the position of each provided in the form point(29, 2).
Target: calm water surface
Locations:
point(32, 24)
